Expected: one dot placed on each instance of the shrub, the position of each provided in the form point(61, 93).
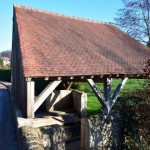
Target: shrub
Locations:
point(5, 75)
point(78, 85)
point(134, 109)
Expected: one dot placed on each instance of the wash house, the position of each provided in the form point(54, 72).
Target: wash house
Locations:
point(57, 49)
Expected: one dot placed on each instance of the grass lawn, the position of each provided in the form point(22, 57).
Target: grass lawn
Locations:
point(94, 106)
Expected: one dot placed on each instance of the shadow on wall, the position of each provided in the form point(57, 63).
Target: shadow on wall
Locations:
point(101, 132)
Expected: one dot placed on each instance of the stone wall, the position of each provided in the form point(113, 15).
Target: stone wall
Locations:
point(104, 132)
point(44, 138)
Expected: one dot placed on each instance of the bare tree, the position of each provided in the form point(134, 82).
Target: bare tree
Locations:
point(134, 19)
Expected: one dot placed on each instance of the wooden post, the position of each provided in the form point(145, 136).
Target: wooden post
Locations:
point(107, 90)
point(30, 99)
point(107, 101)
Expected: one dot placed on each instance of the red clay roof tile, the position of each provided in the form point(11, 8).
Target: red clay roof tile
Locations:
point(56, 45)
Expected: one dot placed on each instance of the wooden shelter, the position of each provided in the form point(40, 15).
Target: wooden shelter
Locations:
point(58, 48)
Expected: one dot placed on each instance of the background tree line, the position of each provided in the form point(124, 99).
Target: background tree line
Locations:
point(6, 53)
point(134, 19)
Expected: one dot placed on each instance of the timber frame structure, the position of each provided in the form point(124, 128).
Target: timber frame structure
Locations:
point(70, 55)
point(106, 100)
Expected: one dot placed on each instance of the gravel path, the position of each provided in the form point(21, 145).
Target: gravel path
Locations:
point(8, 128)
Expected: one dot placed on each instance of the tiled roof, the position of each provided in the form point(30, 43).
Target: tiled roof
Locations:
point(55, 45)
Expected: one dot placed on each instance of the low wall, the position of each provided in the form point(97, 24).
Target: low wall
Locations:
point(67, 99)
point(44, 138)
point(101, 132)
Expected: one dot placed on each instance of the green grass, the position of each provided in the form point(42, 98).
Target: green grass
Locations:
point(131, 85)
point(94, 106)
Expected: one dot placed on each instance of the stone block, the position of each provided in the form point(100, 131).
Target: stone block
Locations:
point(101, 132)
point(43, 138)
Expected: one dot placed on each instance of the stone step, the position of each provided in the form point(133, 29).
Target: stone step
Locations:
point(68, 118)
point(73, 145)
point(72, 132)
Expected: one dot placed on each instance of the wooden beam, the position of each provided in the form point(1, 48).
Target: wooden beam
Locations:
point(59, 78)
point(69, 86)
point(107, 101)
point(47, 78)
point(101, 76)
point(92, 77)
point(38, 122)
point(82, 77)
point(118, 90)
point(28, 79)
point(107, 89)
point(98, 94)
point(30, 99)
point(45, 93)
point(72, 77)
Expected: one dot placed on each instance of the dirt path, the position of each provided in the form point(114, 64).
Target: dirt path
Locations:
point(8, 128)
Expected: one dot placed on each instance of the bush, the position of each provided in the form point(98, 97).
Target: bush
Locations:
point(5, 75)
point(135, 111)
point(78, 85)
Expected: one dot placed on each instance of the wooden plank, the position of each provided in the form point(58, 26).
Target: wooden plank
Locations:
point(85, 134)
point(28, 79)
point(68, 118)
point(45, 93)
point(30, 99)
point(98, 94)
point(38, 122)
point(118, 90)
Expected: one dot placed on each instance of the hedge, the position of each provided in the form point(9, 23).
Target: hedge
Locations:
point(5, 75)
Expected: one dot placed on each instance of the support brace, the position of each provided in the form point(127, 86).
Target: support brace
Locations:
point(118, 90)
point(32, 103)
point(69, 85)
point(107, 101)
point(45, 93)
point(98, 94)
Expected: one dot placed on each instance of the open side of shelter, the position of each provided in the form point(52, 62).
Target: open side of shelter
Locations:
point(57, 48)
point(106, 100)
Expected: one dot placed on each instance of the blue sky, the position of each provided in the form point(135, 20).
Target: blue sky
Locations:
point(101, 10)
